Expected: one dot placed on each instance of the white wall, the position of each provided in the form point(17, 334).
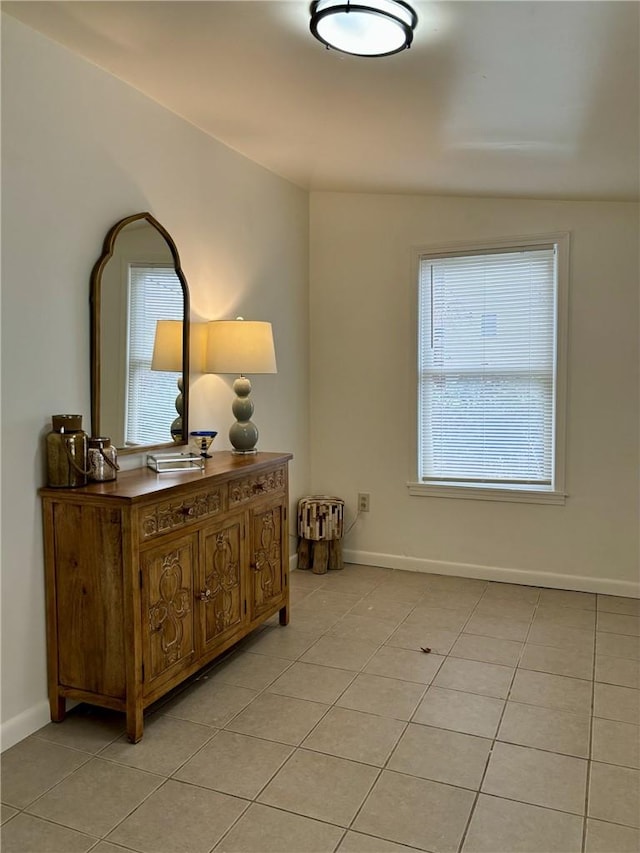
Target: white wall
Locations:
point(81, 150)
point(362, 387)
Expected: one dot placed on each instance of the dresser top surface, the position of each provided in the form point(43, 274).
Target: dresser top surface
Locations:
point(142, 482)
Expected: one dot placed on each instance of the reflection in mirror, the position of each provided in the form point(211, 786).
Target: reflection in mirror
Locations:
point(137, 290)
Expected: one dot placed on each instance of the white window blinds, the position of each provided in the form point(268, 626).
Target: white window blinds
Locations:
point(486, 371)
point(155, 294)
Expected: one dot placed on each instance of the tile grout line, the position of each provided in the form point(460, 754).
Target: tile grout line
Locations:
point(406, 723)
point(132, 811)
point(297, 747)
point(170, 777)
point(215, 731)
point(406, 726)
point(587, 791)
point(333, 705)
point(494, 740)
point(426, 687)
point(66, 776)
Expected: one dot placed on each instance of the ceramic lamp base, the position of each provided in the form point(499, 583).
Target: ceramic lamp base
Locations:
point(243, 434)
point(176, 426)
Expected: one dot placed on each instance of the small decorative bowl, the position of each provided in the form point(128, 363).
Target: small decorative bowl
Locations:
point(202, 440)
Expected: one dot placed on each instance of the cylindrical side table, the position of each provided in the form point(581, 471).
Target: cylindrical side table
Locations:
point(320, 528)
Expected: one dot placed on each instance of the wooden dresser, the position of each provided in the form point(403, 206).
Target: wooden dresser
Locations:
point(150, 577)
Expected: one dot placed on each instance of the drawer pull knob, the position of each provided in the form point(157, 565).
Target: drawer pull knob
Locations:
point(205, 595)
point(188, 511)
point(258, 487)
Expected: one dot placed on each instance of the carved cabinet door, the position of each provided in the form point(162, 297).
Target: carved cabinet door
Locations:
point(168, 630)
point(268, 528)
point(221, 596)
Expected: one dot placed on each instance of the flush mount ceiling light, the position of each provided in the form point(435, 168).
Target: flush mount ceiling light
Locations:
point(368, 28)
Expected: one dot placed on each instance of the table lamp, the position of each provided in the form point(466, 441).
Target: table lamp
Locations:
point(167, 356)
point(241, 346)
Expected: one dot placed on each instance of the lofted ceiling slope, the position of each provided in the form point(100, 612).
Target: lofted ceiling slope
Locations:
point(527, 99)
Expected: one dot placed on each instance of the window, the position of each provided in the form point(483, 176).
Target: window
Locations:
point(155, 294)
point(490, 370)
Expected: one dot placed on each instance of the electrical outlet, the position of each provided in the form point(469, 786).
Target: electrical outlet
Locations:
point(363, 501)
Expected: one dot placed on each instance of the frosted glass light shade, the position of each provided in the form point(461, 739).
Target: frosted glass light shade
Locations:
point(367, 28)
point(167, 346)
point(240, 346)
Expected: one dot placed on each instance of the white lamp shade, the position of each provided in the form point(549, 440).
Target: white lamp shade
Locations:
point(167, 346)
point(240, 346)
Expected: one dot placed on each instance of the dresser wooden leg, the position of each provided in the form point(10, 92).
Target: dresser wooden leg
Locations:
point(58, 706)
point(135, 724)
point(284, 615)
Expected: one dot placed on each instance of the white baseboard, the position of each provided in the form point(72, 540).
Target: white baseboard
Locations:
point(24, 724)
point(581, 583)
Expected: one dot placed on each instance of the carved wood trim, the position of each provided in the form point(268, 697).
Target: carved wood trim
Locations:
point(248, 488)
point(167, 614)
point(268, 556)
point(223, 580)
point(166, 516)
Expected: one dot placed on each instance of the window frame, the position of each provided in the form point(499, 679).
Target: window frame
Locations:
point(555, 494)
point(134, 368)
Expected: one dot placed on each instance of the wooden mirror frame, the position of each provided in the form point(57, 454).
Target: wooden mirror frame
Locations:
point(95, 305)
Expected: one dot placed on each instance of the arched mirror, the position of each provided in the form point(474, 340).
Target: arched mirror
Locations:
point(139, 338)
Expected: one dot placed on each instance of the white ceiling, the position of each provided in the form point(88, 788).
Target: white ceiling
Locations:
point(535, 99)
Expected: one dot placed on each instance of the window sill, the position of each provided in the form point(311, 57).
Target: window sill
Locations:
point(479, 493)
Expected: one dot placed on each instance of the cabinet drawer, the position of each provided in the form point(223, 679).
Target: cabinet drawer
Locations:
point(264, 483)
point(159, 518)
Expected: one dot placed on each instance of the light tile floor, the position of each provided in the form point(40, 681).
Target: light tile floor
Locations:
point(518, 731)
